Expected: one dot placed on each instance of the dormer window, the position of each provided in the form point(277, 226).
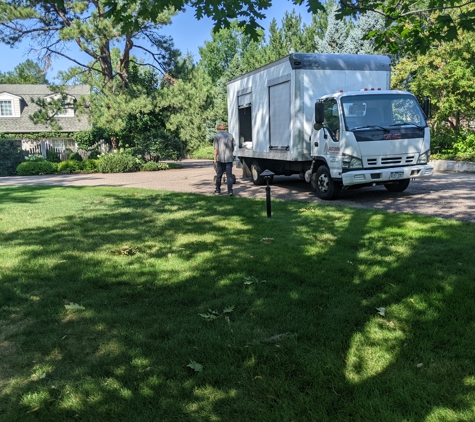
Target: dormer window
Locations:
point(6, 108)
point(68, 109)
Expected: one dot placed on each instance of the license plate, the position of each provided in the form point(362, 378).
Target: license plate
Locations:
point(396, 175)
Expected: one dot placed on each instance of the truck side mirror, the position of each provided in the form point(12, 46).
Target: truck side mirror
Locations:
point(426, 107)
point(319, 113)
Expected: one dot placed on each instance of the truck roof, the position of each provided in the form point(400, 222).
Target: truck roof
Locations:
point(369, 91)
point(328, 61)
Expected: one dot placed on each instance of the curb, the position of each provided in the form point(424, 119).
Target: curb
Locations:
point(441, 166)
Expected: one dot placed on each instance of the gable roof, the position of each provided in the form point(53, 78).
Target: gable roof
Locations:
point(10, 94)
point(24, 93)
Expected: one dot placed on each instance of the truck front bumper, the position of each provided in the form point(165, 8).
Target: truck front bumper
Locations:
point(385, 175)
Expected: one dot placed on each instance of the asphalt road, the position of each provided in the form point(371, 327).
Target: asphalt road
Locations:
point(446, 195)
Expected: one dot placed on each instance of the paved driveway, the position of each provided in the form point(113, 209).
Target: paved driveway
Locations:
point(447, 195)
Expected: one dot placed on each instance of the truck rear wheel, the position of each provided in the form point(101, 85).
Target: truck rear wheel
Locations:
point(323, 184)
point(400, 186)
point(256, 170)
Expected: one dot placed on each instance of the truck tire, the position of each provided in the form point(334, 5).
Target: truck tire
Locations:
point(323, 184)
point(256, 170)
point(400, 186)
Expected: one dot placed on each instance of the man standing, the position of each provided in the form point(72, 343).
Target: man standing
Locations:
point(224, 145)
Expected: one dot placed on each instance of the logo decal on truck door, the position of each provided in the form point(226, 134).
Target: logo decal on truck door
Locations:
point(331, 150)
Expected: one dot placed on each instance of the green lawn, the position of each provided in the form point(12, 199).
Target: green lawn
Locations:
point(188, 315)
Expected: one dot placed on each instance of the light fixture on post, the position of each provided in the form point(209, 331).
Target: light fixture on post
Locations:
point(268, 175)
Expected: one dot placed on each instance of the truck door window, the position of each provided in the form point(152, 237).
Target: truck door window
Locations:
point(332, 119)
point(407, 111)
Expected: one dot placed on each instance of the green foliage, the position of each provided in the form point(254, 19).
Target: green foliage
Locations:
point(69, 166)
point(87, 139)
point(118, 162)
point(31, 168)
point(52, 156)
point(75, 156)
point(204, 152)
point(11, 156)
point(159, 144)
point(153, 166)
point(27, 72)
point(446, 144)
point(94, 154)
point(35, 157)
point(89, 165)
point(447, 75)
point(36, 135)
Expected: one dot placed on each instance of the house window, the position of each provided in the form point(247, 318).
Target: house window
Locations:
point(62, 113)
point(6, 108)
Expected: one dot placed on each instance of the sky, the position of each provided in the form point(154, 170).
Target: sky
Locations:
point(187, 32)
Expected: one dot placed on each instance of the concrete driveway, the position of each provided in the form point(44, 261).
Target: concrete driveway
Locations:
point(446, 195)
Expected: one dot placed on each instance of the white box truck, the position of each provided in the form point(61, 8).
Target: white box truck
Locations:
point(330, 118)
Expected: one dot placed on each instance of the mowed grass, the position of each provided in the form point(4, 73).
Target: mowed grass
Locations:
point(340, 315)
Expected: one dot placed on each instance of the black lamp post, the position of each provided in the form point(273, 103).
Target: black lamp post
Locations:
point(267, 175)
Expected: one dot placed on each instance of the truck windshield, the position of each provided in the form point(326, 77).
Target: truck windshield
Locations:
point(381, 111)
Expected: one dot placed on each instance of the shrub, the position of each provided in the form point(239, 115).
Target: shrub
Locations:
point(75, 156)
point(153, 166)
point(160, 144)
point(69, 166)
point(90, 165)
point(52, 156)
point(11, 155)
point(94, 154)
point(118, 163)
point(31, 168)
point(35, 157)
point(204, 152)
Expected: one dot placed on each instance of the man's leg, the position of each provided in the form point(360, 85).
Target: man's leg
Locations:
point(229, 177)
point(220, 167)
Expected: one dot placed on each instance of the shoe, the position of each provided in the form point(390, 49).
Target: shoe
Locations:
point(217, 192)
point(231, 194)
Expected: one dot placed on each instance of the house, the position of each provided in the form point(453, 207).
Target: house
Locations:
point(17, 105)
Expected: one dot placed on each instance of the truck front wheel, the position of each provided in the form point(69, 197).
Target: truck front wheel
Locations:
point(256, 171)
point(323, 184)
point(400, 186)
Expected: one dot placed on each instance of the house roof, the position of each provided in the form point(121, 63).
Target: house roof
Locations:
point(24, 124)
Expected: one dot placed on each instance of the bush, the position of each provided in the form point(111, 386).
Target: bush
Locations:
point(31, 168)
point(90, 166)
point(11, 155)
point(153, 166)
point(75, 156)
point(52, 156)
point(204, 152)
point(118, 163)
point(35, 158)
point(94, 154)
point(160, 144)
point(69, 166)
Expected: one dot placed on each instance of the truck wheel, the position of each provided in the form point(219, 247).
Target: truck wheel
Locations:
point(400, 186)
point(323, 184)
point(255, 173)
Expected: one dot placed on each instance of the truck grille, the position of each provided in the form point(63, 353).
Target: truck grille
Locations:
point(389, 161)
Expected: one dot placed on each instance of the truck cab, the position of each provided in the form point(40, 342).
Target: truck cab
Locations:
point(368, 138)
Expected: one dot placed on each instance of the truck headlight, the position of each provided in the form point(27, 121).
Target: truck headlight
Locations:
point(424, 157)
point(350, 162)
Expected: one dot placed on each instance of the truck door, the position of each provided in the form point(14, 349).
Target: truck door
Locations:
point(279, 115)
point(326, 143)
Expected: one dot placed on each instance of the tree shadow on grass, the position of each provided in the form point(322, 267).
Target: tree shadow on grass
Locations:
point(303, 341)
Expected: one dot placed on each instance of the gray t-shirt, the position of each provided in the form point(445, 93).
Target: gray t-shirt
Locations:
point(225, 144)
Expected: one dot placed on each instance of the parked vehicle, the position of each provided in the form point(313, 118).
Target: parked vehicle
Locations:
point(332, 119)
